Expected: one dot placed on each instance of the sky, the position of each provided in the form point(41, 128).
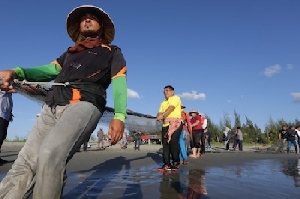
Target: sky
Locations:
point(220, 56)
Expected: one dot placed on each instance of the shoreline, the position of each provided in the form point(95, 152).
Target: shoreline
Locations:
point(126, 173)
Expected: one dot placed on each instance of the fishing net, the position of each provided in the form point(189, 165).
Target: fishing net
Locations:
point(135, 121)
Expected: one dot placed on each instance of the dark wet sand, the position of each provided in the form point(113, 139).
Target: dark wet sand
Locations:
point(119, 173)
point(112, 158)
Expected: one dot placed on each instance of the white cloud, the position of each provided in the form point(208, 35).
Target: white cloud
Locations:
point(242, 96)
point(229, 101)
point(193, 96)
point(289, 66)
point(132, 94)
point(296, 97)
point(272, 70)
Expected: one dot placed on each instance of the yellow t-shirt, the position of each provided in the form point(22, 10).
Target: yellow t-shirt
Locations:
point(172, 101)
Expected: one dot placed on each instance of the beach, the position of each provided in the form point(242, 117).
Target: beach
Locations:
point(126, 173)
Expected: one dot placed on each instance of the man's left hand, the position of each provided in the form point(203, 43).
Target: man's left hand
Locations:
point(116, 129)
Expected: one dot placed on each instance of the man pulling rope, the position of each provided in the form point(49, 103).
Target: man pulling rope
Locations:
point(71, 112)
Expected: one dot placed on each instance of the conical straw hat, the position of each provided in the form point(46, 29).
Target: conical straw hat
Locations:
point(74, 17)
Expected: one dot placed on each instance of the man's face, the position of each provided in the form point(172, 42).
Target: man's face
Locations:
point(168, 92)
point(89, 23)
point(284, 128)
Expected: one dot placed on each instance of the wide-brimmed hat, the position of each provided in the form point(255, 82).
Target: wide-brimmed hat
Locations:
point(74, 17)
point(193, 111)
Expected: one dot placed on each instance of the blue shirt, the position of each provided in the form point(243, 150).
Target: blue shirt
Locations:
point(6, 105)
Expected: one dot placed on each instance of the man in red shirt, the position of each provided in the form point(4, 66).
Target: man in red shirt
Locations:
point(198, 124)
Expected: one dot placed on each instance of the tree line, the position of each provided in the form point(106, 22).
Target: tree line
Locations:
point(251, 132)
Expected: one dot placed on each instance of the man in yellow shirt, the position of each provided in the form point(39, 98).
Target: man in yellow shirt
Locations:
point(170, 114)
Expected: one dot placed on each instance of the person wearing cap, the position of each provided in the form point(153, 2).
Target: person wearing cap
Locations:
point(198, 124)
point(184, 136)
point(170, 113)
point(71, 112)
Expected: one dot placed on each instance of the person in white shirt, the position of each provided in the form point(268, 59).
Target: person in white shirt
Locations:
point(227, 136)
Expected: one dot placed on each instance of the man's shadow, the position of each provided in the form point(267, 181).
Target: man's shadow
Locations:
point(3, 161)
point(104, 173)
point(9, 155)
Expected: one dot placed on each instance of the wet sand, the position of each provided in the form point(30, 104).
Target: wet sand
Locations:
point(125, 173)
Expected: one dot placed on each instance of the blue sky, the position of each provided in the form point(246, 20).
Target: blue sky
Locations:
point(219, 55)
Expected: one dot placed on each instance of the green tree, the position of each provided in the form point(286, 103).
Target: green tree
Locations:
point(214, 129)
point(273, 129)
point(226, 122)
point(237, 119)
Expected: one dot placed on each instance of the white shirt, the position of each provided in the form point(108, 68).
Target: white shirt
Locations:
point(204, 125)
point(298, 132)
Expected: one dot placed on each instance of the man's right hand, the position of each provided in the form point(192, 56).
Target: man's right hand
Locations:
point(6, 77)
point(115, 131)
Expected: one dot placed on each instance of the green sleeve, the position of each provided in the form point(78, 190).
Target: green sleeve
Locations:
point(119, 90)
point(41, 73)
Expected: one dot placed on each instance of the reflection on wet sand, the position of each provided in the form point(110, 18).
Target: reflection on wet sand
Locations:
point(196, 184)
point(145, 182)
point(274, 179)
point(292, 168)
point(183, 184)
point(256, 179)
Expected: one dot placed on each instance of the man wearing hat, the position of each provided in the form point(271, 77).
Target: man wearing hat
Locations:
point(198, 123)
point(71, 112)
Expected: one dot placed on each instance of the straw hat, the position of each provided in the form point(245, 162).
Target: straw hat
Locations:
point(74, 17)
point(193, 111)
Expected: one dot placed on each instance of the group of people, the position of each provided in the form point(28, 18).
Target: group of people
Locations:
point(236, 135)
point(101, 139)
point(291, 135)
point(178, 127)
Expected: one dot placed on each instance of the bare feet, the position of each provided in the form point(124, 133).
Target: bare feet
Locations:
point(192, 156)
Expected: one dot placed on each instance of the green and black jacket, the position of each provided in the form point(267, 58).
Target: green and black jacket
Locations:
point(89, 73)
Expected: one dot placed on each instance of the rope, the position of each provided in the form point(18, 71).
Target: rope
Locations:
point(25, 82)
